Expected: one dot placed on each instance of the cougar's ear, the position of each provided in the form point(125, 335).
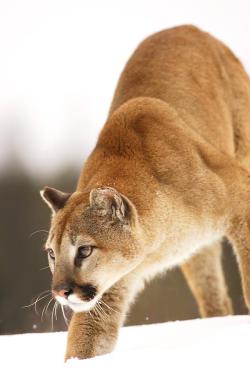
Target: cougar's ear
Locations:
point(54, 198)
point(108, 202)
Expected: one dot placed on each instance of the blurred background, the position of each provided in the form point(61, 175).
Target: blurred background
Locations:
point(59, 64)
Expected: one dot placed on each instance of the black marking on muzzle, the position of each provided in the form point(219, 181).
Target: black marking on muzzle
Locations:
point(89, 291)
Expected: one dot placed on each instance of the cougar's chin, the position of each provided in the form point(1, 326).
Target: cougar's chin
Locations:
point(76, 304)
point(82, 306)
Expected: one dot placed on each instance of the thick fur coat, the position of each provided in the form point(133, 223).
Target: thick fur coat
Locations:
point(167, 180)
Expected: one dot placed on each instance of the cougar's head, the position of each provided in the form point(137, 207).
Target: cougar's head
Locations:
point(91, 244)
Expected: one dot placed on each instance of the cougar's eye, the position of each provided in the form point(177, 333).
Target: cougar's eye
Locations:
point(84, 251)
point(51, 254)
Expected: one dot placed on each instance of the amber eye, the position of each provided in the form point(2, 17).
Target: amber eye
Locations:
point(84, 251)
point(51, 254)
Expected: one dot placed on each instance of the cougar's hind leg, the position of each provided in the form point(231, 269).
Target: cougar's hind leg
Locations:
point(240, 239)
point(205, 277)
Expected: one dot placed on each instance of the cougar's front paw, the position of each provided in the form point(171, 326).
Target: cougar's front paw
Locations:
point(79, 355)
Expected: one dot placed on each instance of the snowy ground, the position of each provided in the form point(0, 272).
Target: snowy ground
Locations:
point(208, 346)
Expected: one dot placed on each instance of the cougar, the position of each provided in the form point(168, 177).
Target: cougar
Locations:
point(167, 181)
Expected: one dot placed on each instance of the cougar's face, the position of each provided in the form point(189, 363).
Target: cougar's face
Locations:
point(90, 245)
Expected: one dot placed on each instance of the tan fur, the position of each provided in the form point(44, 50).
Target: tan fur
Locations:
point(167, 180)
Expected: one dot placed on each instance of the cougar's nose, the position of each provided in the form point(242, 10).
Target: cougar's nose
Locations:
point(62, 292)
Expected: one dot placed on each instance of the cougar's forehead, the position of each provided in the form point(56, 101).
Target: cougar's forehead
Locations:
point(67, 222)
point(79, 221)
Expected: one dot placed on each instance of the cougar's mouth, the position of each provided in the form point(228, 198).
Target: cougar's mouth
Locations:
point(78, 297)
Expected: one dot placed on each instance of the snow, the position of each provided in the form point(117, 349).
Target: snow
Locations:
point(200, 346)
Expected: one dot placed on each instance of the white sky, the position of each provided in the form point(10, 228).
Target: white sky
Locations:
point(60, 61)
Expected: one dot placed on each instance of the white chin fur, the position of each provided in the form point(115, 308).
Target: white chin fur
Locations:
point(61, 300)
point(76, 304)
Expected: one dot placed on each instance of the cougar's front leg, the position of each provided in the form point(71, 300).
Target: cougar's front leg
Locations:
point(95, 333)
